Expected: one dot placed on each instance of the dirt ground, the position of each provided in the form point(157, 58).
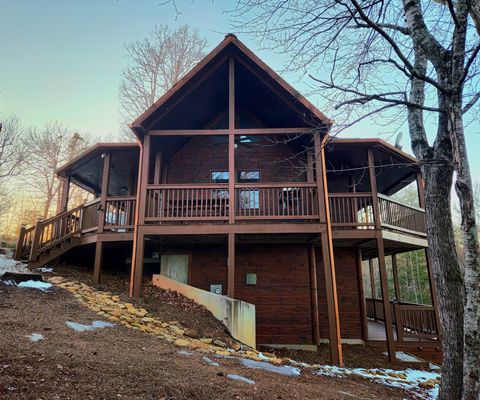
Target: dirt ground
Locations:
point(172, 306)
point(121, 363)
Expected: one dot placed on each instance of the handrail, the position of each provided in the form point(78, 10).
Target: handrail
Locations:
point(189, 186)
point(388, 198)
point(290, 185)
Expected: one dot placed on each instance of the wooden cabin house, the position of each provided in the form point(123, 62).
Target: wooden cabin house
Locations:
point(235, 178)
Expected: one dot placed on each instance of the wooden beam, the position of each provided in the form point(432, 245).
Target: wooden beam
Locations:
point(158, 168)
point(97, 266)
point(327, 254)
point(421, 190)
point(381, 259)
point(361, 293)
point(231, 265)
point(104, 192)
point(224, 132)
point(274, 131)
point(189, 132)
point(396, 281)
point(136, 276)
point(373, 189)
point(231, 140)
point(386, 301)
point(65, 193)
point(372, 281)
point(19, 248)
point(314, 295)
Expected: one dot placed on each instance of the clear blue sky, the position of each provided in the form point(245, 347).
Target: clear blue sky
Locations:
point(62, 59)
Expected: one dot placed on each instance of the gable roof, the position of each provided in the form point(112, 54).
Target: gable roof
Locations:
point(231, 45)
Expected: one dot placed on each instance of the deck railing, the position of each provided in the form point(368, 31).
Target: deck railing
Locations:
point(90, 216)
point(187, 202)
point(351, 210)
point(120, 213)
point(276, 201)
point(414, 320)
point(399, 216)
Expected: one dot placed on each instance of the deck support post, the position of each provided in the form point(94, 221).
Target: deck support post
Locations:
point(136, 276)
point(19, 248)
point(336, 355)
point(104, 192)
point(231, 140)
point(158, 168)
point(97, 266)
point(361, 293)
point(398, 299)
point(314, 295)
point(65, 194)
point(381, 259)
point(231, 265)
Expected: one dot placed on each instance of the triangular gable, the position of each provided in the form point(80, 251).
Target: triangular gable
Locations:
point(230, 46)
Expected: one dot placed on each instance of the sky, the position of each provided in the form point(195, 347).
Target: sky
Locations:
point(62, 60)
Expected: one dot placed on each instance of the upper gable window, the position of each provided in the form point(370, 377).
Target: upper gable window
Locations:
point(249, 176)
point(219, 177)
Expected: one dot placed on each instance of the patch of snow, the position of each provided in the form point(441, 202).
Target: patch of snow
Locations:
point(209, 361)
point(184, 353)
point(45, 269)
point(236, 377)
point(286, 370)
point(35, 337)
point(433, 366)
point(44, 286)
point(405, 357)
point(83, 328)
point(413, 378)
point(10, 265)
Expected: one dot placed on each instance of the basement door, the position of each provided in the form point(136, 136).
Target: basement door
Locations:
point(175, 266)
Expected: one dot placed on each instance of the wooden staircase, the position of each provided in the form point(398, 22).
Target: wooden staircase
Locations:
point(49, 239)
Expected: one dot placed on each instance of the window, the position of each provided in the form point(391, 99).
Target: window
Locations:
point(249, 176)
point(219, 177)
point(249, 198)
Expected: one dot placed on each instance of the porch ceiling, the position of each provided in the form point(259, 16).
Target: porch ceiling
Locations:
point(86, 170)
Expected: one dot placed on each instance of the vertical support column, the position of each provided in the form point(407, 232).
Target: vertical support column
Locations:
point(136, 275)
point(19, 248)
point(327, 254)
point(65, 194)
point(158, 168)
point(36, 240)
point(421, 190)
point(104, 192)
point(231, 265)
point(97, 266)
point(398, 298)
point(361, 293)
point(314, 295)
point(231, 140)
point(381, 260)
point(372, 280)
point(396, 281)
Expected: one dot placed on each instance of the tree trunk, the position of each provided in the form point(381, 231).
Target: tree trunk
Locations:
point(464, 189)
point(447, 275)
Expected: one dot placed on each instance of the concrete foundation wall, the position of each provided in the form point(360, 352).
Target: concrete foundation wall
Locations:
point(238, 316)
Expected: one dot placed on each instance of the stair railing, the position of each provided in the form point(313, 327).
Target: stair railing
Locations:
point(55, 230)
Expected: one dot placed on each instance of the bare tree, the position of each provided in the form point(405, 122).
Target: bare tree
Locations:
point(156, 64)
point(371, 59)
point(51, 146)
point(12, 155)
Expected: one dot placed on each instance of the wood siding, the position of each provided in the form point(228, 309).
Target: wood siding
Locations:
point(194, 162)
point(348, 294)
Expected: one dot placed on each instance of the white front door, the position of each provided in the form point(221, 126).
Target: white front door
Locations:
point(175, 267)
